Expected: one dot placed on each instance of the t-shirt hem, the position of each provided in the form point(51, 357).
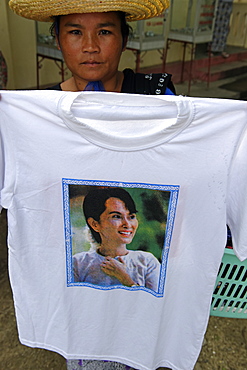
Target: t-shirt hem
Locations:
point(66, 356)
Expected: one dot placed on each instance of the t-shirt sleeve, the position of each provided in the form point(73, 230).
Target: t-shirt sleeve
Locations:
point(7, 160)
point(170, 90)
point(237, 198)
point(1, 168)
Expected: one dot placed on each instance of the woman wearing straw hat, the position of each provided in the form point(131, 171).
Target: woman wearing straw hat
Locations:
point(92, 34)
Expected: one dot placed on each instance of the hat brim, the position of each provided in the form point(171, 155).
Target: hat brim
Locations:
point(46, 10)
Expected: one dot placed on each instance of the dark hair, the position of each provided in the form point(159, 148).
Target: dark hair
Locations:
point(94, 204)
point(125, 27)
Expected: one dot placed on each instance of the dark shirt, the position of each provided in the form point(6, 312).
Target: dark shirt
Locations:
point(141, 83)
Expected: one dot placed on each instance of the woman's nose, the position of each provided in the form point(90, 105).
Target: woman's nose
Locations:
point(90, 44)
point(126, 222)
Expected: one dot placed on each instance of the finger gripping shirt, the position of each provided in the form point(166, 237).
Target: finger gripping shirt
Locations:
point(182, 160)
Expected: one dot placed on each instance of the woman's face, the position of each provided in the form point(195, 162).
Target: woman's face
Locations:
point(91, 45)
point(117, 225)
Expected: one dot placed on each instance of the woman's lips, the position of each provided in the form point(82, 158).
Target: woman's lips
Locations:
point(91, 63)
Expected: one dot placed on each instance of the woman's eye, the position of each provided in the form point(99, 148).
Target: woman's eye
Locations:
point(105, 32)
point(75, 32)
point(132, 217)
point(116, 216)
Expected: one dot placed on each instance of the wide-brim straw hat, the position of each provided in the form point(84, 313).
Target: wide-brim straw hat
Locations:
point(45, 10)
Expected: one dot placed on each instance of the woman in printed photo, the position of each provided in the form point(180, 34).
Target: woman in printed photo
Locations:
point(110, 214)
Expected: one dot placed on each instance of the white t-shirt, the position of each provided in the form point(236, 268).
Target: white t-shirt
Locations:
point(193, 149)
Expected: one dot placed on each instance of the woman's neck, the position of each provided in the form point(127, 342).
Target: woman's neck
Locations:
point(75, 84)
point(107, 251)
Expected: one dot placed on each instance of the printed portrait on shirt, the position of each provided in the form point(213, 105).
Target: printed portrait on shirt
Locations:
point(118, 235)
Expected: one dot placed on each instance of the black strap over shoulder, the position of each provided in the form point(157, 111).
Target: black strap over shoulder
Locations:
point(141, 83)
point(147, 84)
